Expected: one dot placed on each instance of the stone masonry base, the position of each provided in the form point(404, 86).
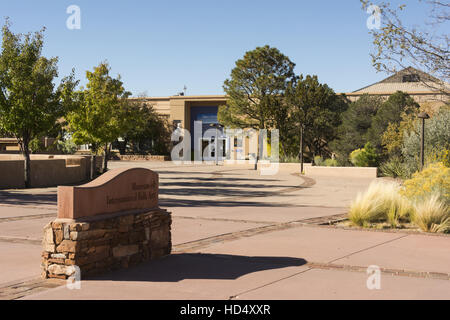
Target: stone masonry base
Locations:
point(104, 243)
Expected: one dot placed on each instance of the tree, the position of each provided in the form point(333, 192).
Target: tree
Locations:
point(356, 121)
point(29, 103)
point(148, 133)
point(426, 47)
point(392, 138)
point(316, 111)
point(256, 90)
point(389, 113)
point(102, 115)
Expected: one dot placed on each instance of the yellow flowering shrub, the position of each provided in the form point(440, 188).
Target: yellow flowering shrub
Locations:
point(439, 156)
point(433, 179)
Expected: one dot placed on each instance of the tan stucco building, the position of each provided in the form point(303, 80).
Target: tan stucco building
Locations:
point(185, 109)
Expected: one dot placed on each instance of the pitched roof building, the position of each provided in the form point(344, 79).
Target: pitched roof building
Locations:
point(421, 86)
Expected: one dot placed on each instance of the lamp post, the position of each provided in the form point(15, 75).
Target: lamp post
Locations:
point(217, 126)
point(302, 130)
point(423, 116)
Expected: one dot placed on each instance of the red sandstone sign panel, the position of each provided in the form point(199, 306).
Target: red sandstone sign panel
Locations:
point(118, 190)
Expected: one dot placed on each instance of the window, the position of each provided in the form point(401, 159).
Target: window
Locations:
point(411, 78)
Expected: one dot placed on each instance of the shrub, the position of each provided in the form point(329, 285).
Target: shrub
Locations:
point(289, 159)
point(394, 168)
point(366, 157)
point(381, 202)
point(318, 161)
point(439, 156)
point(67, 146)
point(36, 145)
point(432, 215)
point(331, 163)
point(434, 179)
point(354, 156)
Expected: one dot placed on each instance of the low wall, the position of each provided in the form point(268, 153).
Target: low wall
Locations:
point(355, 172)
point(292, 167)
point(46, 170)
point(11, 174)
point(132, 157)
point(104, 243)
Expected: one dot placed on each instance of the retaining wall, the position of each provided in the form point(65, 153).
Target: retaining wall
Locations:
point(46, 170)
point(353, 172)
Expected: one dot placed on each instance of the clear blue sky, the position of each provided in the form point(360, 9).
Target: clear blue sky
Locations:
point(160, 46)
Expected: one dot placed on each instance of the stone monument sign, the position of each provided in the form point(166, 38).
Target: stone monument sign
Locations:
point(117, 190)
point(112, 222)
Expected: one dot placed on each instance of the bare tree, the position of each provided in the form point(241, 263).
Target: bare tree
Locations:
point(424, 46)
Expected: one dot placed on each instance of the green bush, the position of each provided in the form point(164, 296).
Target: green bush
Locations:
point(67, 146)
point(318, 161)
point(394, 168)
point(366, 157)
point(331, 163)
point(289, 159)
point(36, 145)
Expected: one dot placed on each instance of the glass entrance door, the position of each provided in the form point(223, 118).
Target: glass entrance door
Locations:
point(209, 149)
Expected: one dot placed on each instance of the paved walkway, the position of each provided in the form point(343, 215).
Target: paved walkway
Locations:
point(237, 235)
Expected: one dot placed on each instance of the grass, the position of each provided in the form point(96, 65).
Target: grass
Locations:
point(370, 206)
point(380, 203)
point(432, 215)
point(399, 210)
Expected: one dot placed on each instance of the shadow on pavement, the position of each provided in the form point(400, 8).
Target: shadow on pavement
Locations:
point(177, 267)
point(21, 198)
point(169, 203)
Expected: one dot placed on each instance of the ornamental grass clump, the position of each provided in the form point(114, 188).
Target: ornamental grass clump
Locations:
point(432, 214)
point(381, 202)
point(422, 200)
point(429, 190)
point(399, 210)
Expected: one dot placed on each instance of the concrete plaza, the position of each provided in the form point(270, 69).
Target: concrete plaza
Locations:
point(237, 235)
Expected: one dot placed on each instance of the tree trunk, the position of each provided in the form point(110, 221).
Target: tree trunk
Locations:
point(93, 167)
point(27, 162)
point(105, 159)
